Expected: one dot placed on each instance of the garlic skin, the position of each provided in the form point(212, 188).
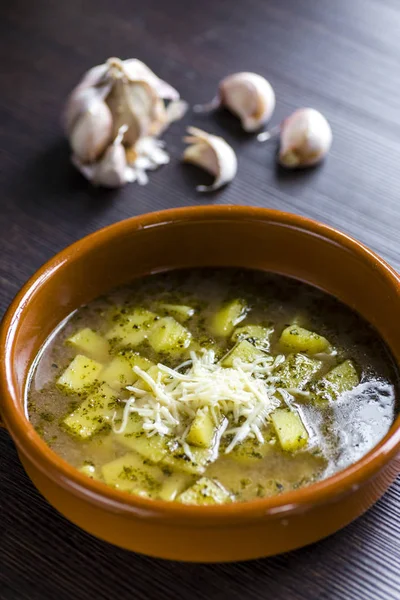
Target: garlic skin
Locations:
point(150, 155)
point(249, 96)
point(95, 76)
point(213, 154)
point(305, 139)
point(138, 71)
point(112, 109)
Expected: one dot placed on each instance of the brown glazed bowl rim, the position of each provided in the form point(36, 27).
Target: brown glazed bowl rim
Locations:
point(69, 478)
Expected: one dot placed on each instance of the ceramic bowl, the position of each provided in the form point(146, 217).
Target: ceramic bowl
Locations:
point(190, 237)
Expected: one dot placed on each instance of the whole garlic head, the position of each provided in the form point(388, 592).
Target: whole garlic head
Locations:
point(249, 96)
point(213, 154)
point(305, 139)
point(115, 106)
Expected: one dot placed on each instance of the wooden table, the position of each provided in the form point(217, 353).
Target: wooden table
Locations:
point(341, 57)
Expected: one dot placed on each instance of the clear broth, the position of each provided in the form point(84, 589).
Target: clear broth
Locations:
point(340, 432)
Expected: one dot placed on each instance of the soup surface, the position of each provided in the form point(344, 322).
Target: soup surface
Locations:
point(211, 386)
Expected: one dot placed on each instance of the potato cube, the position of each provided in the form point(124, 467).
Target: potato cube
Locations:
point(152, 448)
point(173, 485)
point(136, 360)
point(118, 373)
point(90, 343)
point(289, 428)
point(297, 339)
point(94, 413)
point(256, 334)
point(338, 380)
point(205, 491)
point(243, 351)
point(227, 317)
point(202, 430)
point(297, 371)
point(133, 427)
point(130, 474)
point(195, 464)
point(169, 336)
point(250, 451)
point(133, 328)
point(81, 374)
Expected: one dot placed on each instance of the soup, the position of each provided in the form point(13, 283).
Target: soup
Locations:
point(212, 385)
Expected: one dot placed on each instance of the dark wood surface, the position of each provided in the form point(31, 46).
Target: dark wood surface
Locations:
point(341, 57)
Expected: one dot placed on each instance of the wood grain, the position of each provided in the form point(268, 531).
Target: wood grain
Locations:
point(340, 57)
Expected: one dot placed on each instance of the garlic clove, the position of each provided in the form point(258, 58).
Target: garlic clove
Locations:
point(150, 154)
point(79, 102)
point(249, 96)
point(305, 139)
point(120, 165)
point(213, 154)
point(136, 70)
point(92, 132)
point(112, 169)
point(133, 105)
point(145, 95)
point(140, 92)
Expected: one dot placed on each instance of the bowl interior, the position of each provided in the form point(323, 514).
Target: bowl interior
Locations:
point(217, 236)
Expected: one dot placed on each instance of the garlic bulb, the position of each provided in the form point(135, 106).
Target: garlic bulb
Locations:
point(110, 111)
point(305, 138)
point(213, 154)
point(248, 96)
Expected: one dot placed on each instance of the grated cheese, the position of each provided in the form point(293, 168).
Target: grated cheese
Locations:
point(244, 394)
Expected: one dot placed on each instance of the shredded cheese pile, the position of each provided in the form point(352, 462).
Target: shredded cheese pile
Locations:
point(244, 394)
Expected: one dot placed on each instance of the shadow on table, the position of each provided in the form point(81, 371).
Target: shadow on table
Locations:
point(61, 186)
